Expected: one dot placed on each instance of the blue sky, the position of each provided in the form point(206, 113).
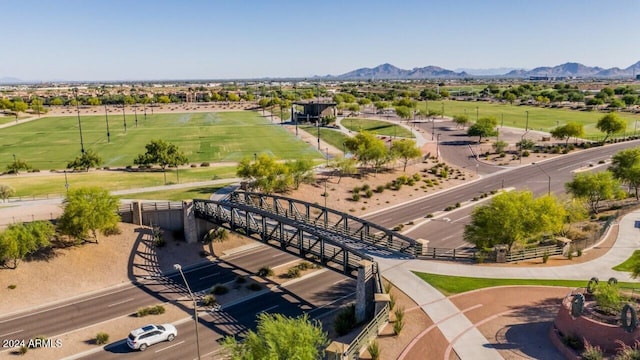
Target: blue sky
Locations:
point(200, 39)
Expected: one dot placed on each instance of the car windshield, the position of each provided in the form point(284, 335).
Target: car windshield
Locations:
point(160, 327)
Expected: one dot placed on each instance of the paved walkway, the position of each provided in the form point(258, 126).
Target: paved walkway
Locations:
point(467, 340)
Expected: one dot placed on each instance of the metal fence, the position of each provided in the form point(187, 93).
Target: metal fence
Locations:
point(368, 332)
point(537, 252)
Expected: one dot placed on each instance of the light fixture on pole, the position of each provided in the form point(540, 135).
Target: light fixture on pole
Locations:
point(548, 176)
point(75, 91)
point(195, 306)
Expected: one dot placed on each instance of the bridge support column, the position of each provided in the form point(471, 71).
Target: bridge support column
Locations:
point(189, 220)
point(365, 288)
point(137, 212)
point(423, 247)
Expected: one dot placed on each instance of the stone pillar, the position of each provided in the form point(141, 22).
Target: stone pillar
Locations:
point(137, 212)
point(365, 288)
point(189, 220)
point(425, 247)
point(501, 253)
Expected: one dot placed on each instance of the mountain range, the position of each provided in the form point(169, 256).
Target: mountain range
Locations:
point(566, 70)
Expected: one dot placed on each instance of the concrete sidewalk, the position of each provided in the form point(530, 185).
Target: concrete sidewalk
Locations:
point(466, 339)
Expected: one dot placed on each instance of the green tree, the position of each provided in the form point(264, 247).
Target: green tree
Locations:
point(85, 161)
point(567, 131)
point(20, 240)
point(301, 172)
point(19, 106)
point(345, 166)
point(164, 99)
point(625, 166)
point(280, 338)
point(405, 150)
point(499, 146)
point(368, 149)
point(161, 153)
point(17, 165)
point(265, 173)
point(594, 188)
point(6, 192)
point(484, 127)
point(89, 210)
point(611, 124)
point(461, 120)
point(513, 217)
point(403, 112)
point(510, 97)
point(94, 101)
point(56, 101)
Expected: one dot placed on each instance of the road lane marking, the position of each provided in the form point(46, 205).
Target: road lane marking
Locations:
point(170, 346)
point(11, 333)
point(267, 309)
point(208, 276)
point(276, 255)
point(120, 302)
point(339, 281)
point(331, 303)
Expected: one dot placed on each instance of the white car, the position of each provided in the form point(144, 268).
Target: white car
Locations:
point(141, 338)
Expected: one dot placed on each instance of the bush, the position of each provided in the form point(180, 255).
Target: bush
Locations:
point(194, 165)
point(545, 258)
point(345, 320)
point(592, 352)
point(102, 338)
point(608, 297)
point(209, 300)
point(368, 193)
point(23, 350)
point(151, 310)
point(374, 350)
point(265, 271)
point(219, 290)
point(254, 287)
point(416, 177)
point(305, 265)
point(365, 187)
point(293, 272)
point(392, 301)
point(12, 286)
point(356, 190)
point(355, 197)
point(398, 325)
point(399, 313)
point(379, 189)
point(241, 279)
point(573, 342)
point(204, 164)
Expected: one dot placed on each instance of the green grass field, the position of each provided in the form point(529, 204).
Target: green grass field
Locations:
point(376, 127)
point(628, 264)
point(333, 137)
point(51, 142)
point(515, 115)
point(111, 180)
point(450, 285)
point(199, 192)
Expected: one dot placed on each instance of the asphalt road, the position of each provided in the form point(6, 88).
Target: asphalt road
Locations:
point(539, 178)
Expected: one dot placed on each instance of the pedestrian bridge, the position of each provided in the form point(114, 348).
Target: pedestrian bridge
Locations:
point(333, 238)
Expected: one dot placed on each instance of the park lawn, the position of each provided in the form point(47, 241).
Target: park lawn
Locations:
point(198, 192)
point(332, 137)
point(377, 127)
point(629, 264)
point(451, 285)
point(54, 184)
point(51, 142)
point(543, 119)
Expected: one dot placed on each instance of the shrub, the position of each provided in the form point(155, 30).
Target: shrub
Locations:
point(209, 300)
point(416, 177)
point(545, 258)
point(627, 352)
point(254, 287)
point(159, 241)
point(379, 189)
point(368, 193)
point(265, 271)
point(387, 287)
point(399, 313)
point(204, 164)
point(365, 187)
point(573, 342)
point(355, 197)
point(102, 338)
point(398, 325)
point(345, 320)
point(241, 280)
point(356, 190)
point(305, 265)
point(151, 310)
point(23, 350)
point(12, 286)
point(194, 165)
point(293, 272)
point(525, 153)
point(392, 301)
point(374, 350)
point(592, 352)
point(608, 297)
point(219, 290)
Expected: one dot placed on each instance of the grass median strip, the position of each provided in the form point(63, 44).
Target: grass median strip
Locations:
point(629, 264)
point(451, 285)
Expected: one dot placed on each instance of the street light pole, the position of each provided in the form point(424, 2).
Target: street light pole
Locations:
point(437, 146)
point(526, 126)
point(477, 113)
point(124, 117)
point(106, 117)
point(548, 176)
point(195, 306)
point(75, 91)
